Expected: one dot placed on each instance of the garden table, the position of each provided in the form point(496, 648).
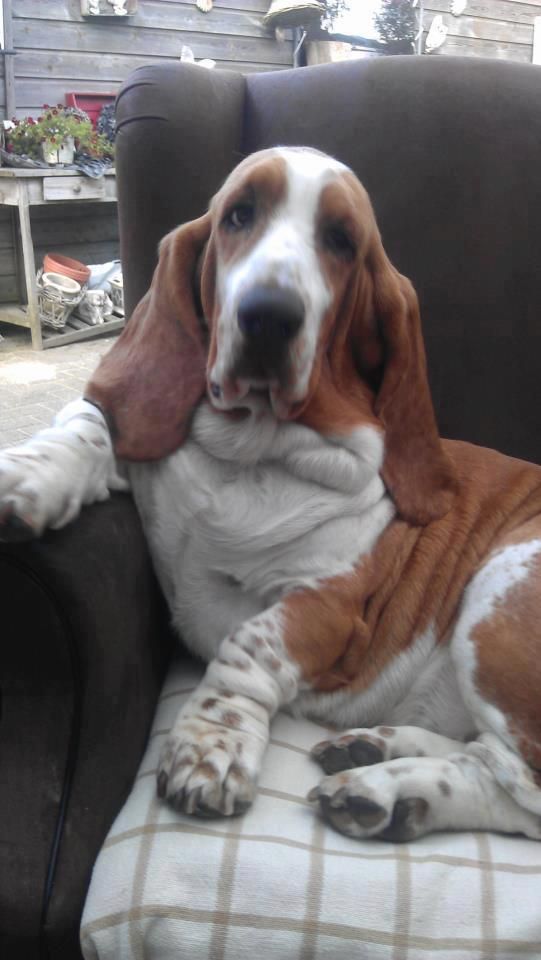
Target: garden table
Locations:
point(24, 188)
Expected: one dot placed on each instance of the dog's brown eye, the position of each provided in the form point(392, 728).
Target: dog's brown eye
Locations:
point(240, 217)
point(338, 241)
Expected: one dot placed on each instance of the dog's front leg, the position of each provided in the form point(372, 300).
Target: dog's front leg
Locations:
point(45, 481)
point(212, 757)
point(211, 760)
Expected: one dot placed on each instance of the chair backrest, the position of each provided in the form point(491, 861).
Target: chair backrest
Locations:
point(450, 151)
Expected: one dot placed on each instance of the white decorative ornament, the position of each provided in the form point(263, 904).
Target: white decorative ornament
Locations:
point(95, 307)
point(458, 7)
point(187, 56)
point(102, 8)
point(536, 54)
point(437, 34)
point(119, 7)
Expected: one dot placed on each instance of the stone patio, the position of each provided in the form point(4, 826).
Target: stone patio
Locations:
point(34, 385)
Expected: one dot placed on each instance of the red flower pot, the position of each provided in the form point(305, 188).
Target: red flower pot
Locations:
point(57, 263)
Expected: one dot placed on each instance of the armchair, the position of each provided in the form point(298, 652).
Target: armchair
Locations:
point(450, 151)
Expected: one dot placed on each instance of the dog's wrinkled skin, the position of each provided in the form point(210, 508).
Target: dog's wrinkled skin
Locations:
point(317, 542)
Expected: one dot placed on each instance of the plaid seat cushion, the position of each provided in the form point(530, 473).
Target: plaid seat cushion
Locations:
point(278, 884)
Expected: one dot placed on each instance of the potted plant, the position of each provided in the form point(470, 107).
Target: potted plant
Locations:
point(55, 136)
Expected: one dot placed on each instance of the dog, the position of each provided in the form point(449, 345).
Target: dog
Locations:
point(317, 542)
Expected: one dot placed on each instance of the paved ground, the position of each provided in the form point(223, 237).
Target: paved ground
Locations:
point(34, 385)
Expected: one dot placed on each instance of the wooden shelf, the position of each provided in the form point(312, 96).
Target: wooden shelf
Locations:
point(14, 313)
point(71, 335)
point(36, 187)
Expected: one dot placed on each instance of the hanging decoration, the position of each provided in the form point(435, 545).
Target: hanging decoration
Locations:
point(294, 13)
point(436, 35)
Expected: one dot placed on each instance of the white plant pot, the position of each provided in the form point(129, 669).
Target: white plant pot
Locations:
point(66, 151)
point(50, 152)
point(62, 153)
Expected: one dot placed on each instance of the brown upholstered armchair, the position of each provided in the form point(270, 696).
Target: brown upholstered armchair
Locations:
point(450, 151)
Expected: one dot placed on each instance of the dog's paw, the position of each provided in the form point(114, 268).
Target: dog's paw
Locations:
point(360, 748)
point(387, 801)
point(27, 503)
point(45, 481)
point(209, 770)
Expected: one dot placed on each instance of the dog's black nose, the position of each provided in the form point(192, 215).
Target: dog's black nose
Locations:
point(270, 314)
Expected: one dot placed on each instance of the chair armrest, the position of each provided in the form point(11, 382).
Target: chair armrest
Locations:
point(85, 644)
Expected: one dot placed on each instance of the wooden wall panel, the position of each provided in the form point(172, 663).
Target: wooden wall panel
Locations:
point(60, 51)
point(501, 29)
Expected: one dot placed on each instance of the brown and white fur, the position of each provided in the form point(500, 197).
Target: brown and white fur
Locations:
point(318, 544)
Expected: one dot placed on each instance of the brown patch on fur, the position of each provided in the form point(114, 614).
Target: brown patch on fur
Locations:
point(209, 703)
point(273, 663)
point(187, 762)
point(508, 654)
point(240, 664)
point(260, 181)
point(386, 731)
point(323, 632)
point(231, 719)
point(235, 773)
point(207, 769)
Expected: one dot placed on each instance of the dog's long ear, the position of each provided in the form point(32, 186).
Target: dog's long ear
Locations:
point(416, 469)
point(148, 384)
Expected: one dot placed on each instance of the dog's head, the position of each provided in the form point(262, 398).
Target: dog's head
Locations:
point(283, 288)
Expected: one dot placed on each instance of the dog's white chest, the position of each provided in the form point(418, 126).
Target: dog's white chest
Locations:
point(247, 509)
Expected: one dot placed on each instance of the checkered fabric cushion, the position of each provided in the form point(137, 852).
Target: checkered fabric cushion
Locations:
point(278, 884)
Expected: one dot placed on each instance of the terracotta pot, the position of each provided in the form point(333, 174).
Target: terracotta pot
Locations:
point(57, 263)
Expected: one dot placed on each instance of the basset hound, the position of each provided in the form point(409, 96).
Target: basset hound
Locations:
point(318, 543)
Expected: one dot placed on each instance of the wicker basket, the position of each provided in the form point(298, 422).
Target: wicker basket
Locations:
point(55, 305)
